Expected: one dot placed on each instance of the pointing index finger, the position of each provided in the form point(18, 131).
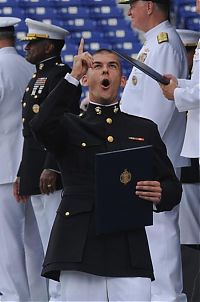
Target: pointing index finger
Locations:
point(81, 47)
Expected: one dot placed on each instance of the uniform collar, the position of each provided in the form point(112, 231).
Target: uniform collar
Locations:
point(157, 29)
point(101, 110)
point(7, 50)
point(43, 65)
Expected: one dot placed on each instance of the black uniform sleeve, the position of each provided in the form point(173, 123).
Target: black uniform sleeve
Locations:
point(50, 162)
point(47, 125)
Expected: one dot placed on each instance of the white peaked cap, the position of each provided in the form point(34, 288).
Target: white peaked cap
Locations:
point(41, 30)
point(8, 21)
point(189, 37)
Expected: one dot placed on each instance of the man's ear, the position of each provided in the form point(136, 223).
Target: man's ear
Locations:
point(123, 81)
point(49, 48)
point(84, 80)
point(150, 7)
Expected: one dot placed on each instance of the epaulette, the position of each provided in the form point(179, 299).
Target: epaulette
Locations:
point(162, 37)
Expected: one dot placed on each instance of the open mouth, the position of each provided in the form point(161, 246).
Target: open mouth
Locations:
point(105, 83)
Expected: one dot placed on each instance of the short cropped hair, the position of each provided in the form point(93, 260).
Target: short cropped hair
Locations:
point(108, 51)
point(7, 32)
point(164, 7)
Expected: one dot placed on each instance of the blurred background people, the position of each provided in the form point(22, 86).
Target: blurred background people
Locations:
point(21, 251)
point(186, 94)
point(163, 51)
point(38, 175)
point(189, 218)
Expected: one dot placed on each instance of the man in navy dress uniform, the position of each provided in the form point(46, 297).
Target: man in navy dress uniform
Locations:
point(91, 267)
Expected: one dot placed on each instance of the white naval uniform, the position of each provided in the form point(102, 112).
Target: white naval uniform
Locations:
point(187, 98)
point(20, 261)
point(142, 96)
point(45, 207)
point(189, 218)
point(80, 286)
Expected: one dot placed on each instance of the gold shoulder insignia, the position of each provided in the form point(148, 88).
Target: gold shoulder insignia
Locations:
point(162, 37)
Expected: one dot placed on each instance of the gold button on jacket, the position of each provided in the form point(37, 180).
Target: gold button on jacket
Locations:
point(109, 120)
point(110, 139)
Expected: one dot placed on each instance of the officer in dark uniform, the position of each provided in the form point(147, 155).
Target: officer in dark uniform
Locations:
point(38, 174)
point(19, 235)
point(114, 267)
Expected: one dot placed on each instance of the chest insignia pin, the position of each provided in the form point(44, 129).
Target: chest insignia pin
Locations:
point(134, 80)
point(98, 110)
point(125, 177)
point(36, 108)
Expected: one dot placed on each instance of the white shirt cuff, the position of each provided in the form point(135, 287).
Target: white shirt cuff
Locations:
point(71, 79)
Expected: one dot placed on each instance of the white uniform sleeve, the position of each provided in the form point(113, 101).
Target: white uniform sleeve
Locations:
point(1, 88)
point(187, 98)
point(165, 60)
point(187, 94)
point(71, 79)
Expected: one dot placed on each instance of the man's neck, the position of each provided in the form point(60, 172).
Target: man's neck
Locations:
point(6, 43)
point(153, 22)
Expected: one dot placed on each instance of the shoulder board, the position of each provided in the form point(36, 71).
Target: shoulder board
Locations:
point(162, 37)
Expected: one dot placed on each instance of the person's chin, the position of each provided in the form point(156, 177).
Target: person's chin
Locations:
point(28, 59)
point(31, 61)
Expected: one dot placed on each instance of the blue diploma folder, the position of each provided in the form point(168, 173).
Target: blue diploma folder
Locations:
point(117, 207)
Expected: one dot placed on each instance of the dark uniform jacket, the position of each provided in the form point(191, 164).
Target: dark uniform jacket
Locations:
point(191, 174)
point(35, 158)
point(75, 140)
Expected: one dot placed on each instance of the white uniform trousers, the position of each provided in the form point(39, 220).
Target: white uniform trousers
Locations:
point(45, 207)
point(164, 244)
point(20, 252)
point(189, 217)
point(79, 286)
